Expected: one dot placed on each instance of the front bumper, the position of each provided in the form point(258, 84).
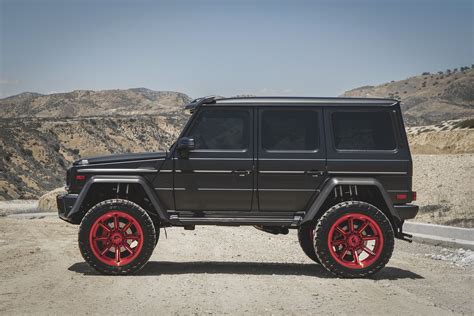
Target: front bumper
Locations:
point(406, 211)
point(65, 203)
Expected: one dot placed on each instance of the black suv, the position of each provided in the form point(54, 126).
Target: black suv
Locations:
point(337, 169)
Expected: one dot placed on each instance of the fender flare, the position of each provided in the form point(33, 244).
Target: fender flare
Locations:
point(150, 193)
point(333, 182)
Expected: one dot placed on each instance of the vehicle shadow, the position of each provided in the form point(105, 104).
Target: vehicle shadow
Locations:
point(245, 268)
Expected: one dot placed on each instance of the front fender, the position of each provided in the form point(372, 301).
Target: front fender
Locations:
point(158, 208)
point(333, 182)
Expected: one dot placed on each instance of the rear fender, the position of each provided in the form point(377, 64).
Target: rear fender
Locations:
point(314, 209)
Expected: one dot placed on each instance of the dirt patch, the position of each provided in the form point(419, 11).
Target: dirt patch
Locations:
point(445, 189)
point(217, 270)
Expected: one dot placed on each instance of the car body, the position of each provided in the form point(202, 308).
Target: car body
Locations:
point(272, 162)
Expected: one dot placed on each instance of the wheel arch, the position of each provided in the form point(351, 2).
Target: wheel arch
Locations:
point(96, 183)
point(325, 198)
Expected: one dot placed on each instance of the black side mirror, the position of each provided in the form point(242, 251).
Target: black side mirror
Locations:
point(185, 144)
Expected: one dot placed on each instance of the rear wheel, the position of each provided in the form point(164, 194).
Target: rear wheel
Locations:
point(117, 237)
point(306, 240)
point(354, 239)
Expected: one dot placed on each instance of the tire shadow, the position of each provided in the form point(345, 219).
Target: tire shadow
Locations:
point(154, 268)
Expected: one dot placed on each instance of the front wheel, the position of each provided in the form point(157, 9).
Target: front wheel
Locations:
point(354, 239)
point(117, 237)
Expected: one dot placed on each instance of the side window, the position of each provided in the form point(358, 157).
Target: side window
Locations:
point(221, 129)
point(283, 130)
point(363, 131)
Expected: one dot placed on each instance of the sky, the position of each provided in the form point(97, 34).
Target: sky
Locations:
point(306, 48)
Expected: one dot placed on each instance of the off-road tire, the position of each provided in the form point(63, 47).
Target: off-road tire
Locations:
point(150, 236)
point(331, 216)
point(306, 240)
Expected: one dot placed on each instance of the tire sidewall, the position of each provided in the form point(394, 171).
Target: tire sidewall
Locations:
point(130, 208)
point(331, 216)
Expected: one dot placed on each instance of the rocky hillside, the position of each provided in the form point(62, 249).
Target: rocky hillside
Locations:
point(82, 103)
point(429, 98)
point(36, 152)
point(40, 135)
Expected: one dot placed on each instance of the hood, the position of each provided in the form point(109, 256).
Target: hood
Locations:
point(120, 157)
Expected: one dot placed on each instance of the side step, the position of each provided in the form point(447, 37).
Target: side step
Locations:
point(287, 221)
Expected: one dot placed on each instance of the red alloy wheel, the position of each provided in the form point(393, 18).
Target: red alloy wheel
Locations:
point(116, 238)
point(355, 241)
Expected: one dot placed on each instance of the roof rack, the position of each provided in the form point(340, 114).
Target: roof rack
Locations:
point(194, 104)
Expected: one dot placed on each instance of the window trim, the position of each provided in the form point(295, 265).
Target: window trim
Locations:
point(189, 129)
point(319, 115)
point(364, 151)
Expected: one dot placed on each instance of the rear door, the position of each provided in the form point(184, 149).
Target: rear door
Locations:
point(291, 156)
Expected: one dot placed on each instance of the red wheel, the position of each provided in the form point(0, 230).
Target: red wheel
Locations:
point(355, 241)
point(116, 238)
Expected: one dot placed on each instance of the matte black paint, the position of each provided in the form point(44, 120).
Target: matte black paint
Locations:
point(255, 186)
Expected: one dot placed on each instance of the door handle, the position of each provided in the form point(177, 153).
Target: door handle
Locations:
point(314, 173)
point(242, 173)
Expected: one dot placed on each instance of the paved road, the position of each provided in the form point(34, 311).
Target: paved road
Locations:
point(219, 270)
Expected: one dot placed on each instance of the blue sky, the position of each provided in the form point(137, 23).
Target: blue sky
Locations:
point(309, 48)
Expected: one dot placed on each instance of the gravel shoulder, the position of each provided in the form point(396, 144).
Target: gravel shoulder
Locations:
point(220, 270)
point(445, 187)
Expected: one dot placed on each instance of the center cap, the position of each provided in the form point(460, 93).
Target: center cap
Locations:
point(353, 240)
point(116, 238)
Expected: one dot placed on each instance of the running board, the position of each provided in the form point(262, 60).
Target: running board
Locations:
point(236, 221)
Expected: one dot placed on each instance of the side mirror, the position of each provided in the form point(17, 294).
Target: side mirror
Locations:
point(185, 144)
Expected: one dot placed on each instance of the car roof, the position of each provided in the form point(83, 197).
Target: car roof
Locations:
point(275, 101)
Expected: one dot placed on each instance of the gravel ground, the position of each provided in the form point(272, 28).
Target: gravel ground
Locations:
point(220, 270)
point(445, 189)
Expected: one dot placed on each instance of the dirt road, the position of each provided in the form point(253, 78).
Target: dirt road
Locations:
point(217, 270)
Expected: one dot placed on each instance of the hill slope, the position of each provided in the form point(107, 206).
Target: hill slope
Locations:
point(429, 98)
point(80, 103)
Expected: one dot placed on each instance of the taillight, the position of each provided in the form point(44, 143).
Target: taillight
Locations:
point(80, 177)
point(413, 196)
point(401, 196)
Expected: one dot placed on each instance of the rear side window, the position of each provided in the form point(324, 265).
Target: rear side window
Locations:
point(283, 130)
point(363, 131)
point(221, 130)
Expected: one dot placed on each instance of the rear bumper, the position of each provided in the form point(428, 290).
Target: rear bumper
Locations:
point(65, 203)
point(406, 211)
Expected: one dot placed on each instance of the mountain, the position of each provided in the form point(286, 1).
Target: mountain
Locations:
point(428, 98)
point(40, 135)
point(80, 103)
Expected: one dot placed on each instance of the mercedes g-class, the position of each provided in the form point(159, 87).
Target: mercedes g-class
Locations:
point(338, 170)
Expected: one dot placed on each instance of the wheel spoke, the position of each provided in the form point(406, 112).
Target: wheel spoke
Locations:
point(116, 222)
point(338, 242)
point(341, 231)
point(117, 254)
point(351, 225)
point(101, 238)
point(344, 253)
point(126, 246)
point(107, 247)
point(356, 257)
point(107, 228)
point(126, 227)
point(364, 226)
point(370, 252)
point(367, 238)
point(133, 237)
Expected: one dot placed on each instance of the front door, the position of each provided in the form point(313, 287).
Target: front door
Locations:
point(291, 157)
point(218, 174)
